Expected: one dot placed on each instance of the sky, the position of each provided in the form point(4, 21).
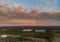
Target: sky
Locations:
point(43, 4)
point(30, 12)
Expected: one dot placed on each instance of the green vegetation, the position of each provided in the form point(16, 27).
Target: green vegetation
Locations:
point(49, 34)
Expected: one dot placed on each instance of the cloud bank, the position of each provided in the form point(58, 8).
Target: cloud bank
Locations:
point(18, 11)
point(19, 14)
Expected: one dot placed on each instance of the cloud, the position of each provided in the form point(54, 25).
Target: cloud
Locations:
point(55, 0)
point(57, 10)
point(19, 11)
point(48, 3)
point(22, 21)
point(49, 12)
point(1, 4)
point(16, 6)
point(19, 14)
point(20, 8)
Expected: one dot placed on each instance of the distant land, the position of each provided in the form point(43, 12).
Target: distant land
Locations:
point(31, 27)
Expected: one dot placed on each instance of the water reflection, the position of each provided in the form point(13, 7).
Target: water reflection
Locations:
point(13, 38)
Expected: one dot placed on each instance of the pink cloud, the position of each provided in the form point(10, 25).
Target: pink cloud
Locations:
point(1, 4)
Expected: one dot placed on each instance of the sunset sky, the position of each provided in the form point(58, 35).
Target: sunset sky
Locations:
point(44, 4)
point(29, 12)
